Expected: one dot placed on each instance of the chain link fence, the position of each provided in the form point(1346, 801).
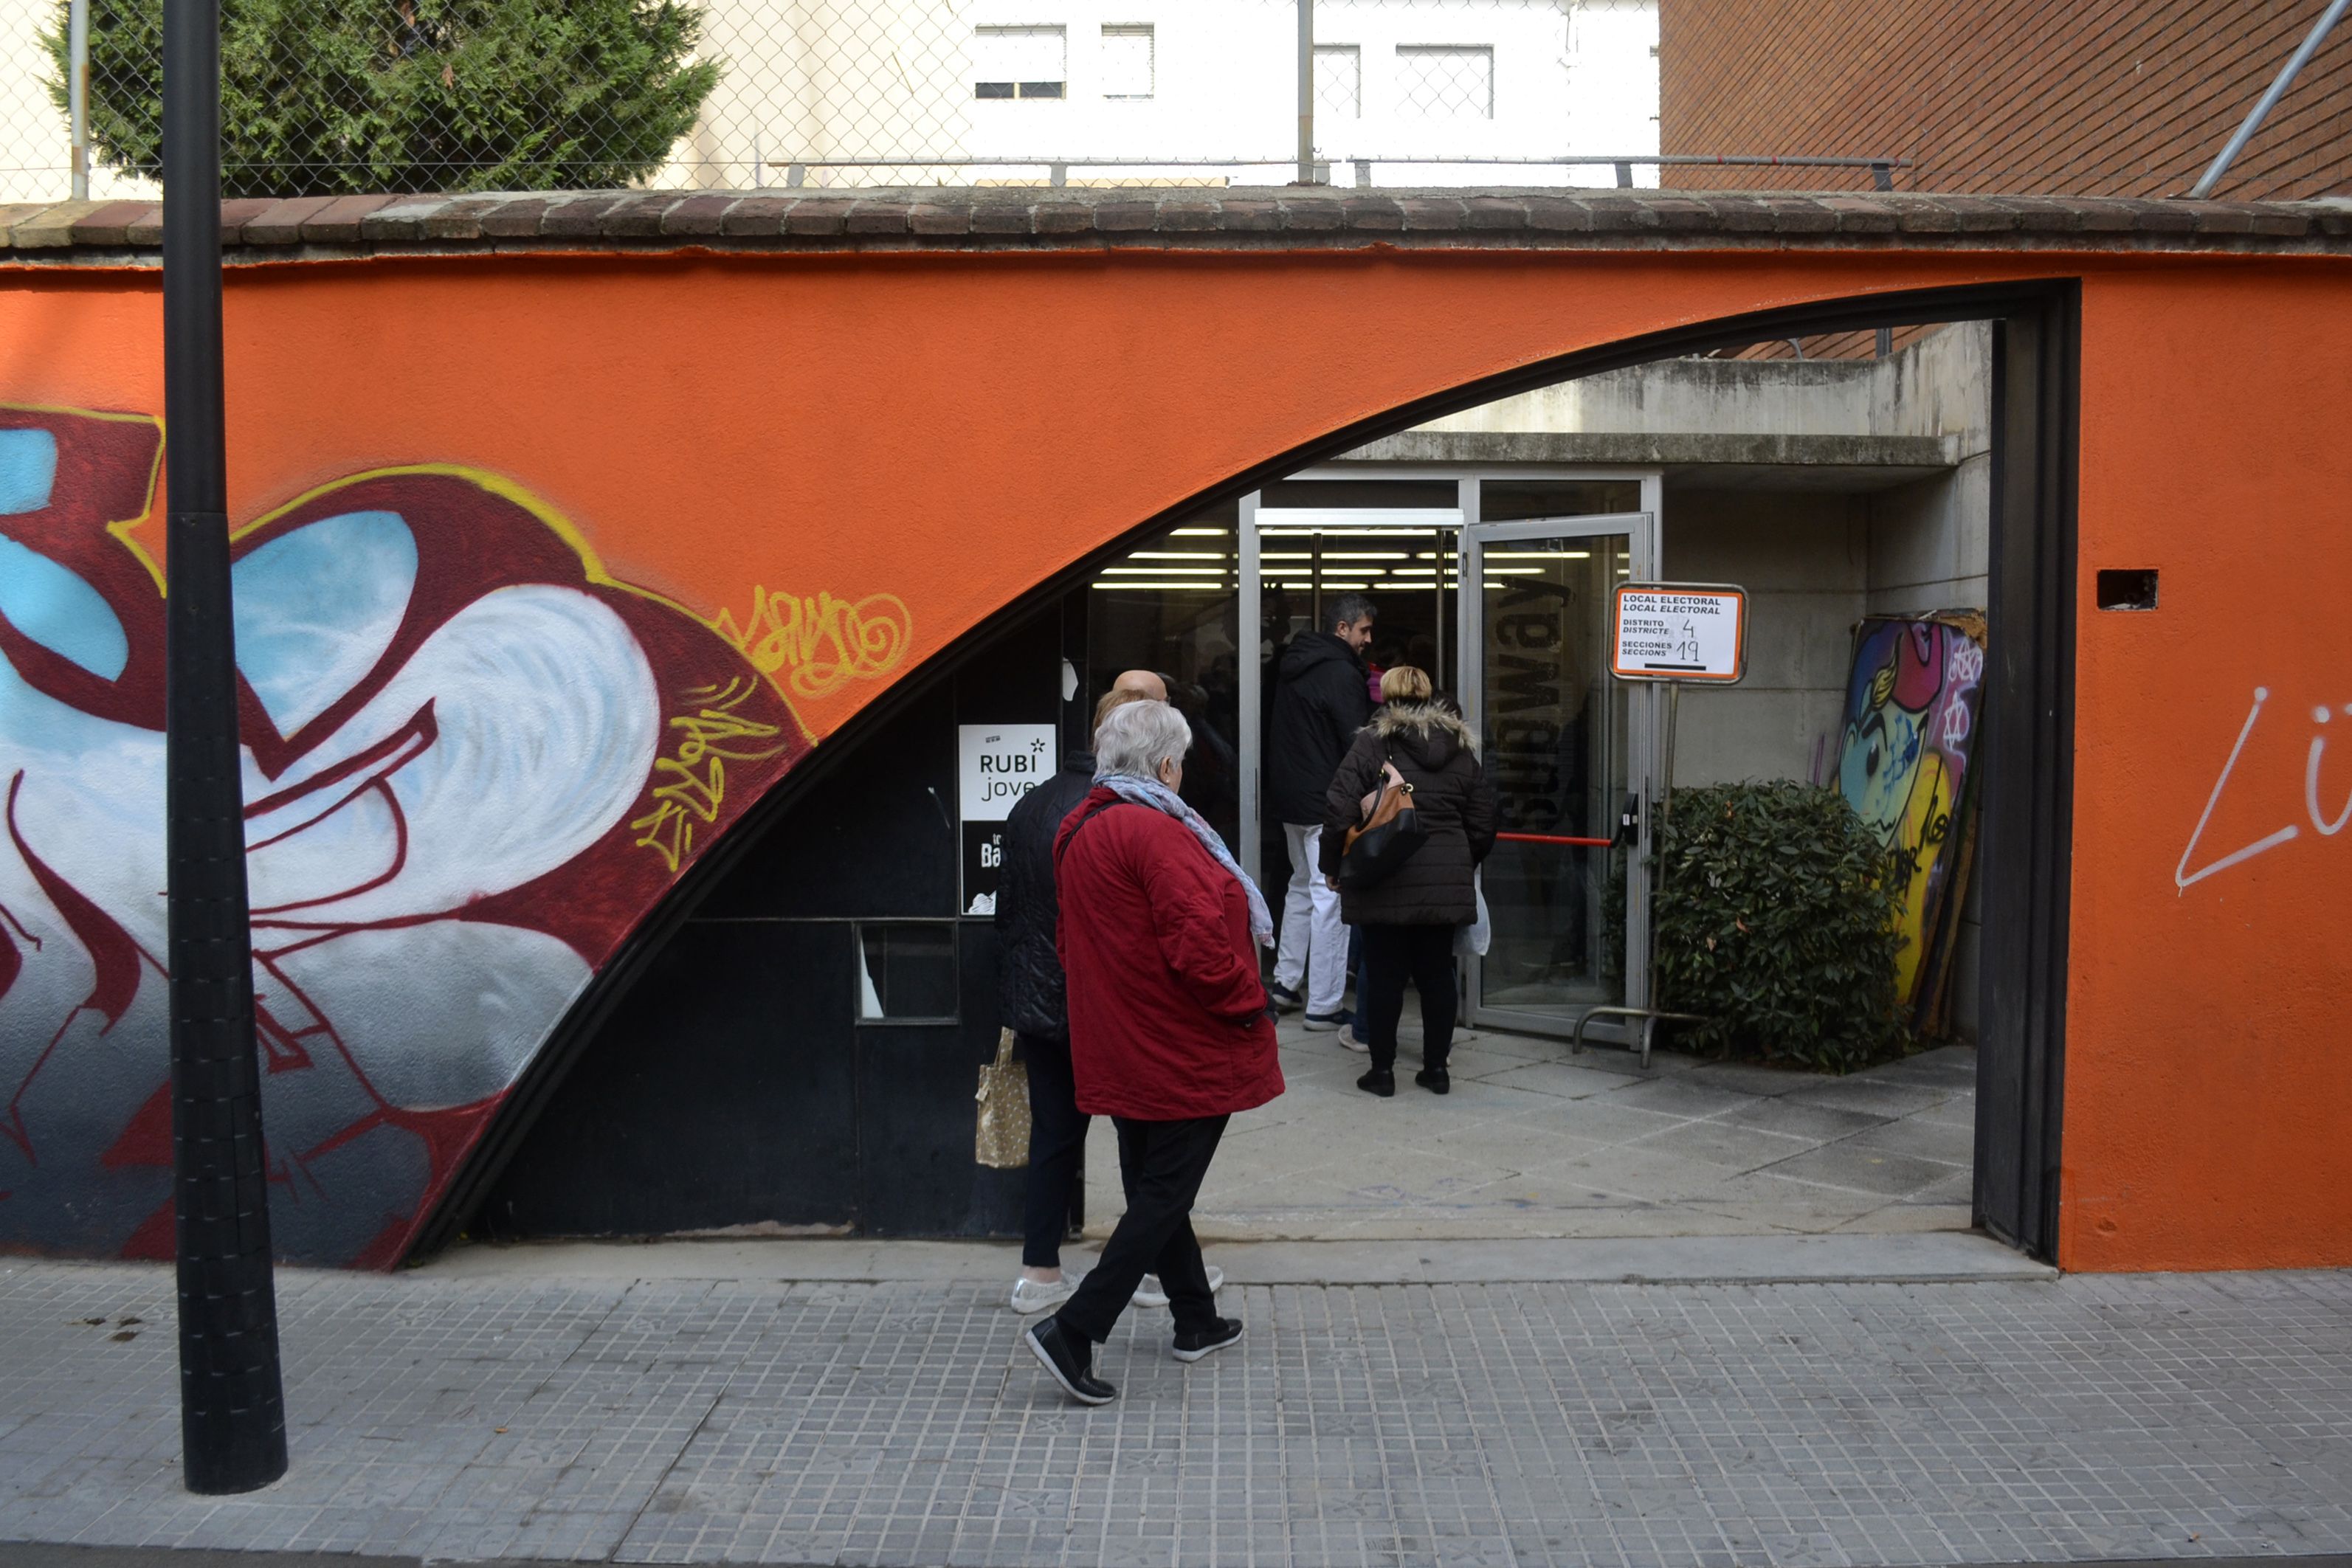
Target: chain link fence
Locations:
point(334, 96)
point(324, 97)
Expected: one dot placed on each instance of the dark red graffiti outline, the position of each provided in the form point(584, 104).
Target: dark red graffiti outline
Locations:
point(473, 535)
point(114, 954)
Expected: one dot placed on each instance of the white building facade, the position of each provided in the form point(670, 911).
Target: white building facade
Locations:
point(1177, 92)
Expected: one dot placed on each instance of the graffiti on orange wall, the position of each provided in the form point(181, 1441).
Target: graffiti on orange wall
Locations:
point(690, 785)
point(472, 761)
point(2274, 799)
point(1912, 701)
point(820, 644)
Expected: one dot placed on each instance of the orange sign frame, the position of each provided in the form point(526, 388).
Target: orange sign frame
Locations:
point(1698, 673)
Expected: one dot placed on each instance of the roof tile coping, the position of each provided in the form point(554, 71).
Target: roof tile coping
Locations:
point(1177, 217)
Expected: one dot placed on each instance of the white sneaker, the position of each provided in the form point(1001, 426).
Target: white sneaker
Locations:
point(1029, 1296)
point(1149, 1294)
point(1351, 1039)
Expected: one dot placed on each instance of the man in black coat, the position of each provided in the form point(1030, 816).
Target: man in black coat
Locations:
point(1031, 999)
point(1320, 700)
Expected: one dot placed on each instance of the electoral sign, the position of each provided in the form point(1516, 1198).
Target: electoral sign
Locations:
point(1679, 631)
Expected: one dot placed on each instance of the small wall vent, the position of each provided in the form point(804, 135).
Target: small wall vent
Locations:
point(2133, 589)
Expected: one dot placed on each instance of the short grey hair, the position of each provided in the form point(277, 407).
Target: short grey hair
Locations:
point(1137, 738)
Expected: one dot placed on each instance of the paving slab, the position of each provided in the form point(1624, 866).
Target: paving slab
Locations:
point(1868, 1170)
point(1539, 1421)
point(1515, 1151)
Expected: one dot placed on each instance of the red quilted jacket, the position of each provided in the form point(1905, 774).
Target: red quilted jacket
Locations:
point(1167, 1014)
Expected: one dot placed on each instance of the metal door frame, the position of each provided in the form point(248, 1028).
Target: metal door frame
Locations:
point(1641, 532)
point(1252, 720)
point(1467, 484)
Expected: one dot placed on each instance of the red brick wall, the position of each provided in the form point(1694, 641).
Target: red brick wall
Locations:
point(2085, 97)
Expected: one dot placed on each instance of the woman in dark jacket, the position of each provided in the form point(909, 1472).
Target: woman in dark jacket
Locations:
point(1408, 919)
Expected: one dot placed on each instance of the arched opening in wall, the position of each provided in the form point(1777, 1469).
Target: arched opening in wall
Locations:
point(794, 1051)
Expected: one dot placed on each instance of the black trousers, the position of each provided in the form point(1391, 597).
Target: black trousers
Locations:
point(1161, 1165)
point(1058, 1147)
point(1425, 955)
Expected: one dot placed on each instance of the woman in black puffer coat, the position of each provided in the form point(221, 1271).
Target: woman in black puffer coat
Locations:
point(1409, 920)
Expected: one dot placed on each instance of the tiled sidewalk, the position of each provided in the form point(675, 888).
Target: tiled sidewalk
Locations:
point(676, 1420)
point(1534, 1142)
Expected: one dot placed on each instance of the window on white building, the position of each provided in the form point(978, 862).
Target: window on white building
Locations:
point(1340, 81)
point(1020, 62)
point(1126, 59)
point(1446, 81)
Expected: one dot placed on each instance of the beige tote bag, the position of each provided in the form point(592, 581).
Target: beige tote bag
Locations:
point(1002, 1140)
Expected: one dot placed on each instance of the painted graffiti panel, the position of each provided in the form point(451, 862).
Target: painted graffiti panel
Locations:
point(1904, 759)
point(473, 761)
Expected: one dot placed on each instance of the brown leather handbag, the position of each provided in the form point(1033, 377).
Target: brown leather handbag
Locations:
point(1389, 835)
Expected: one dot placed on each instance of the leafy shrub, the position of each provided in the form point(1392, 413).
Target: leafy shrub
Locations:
point(331, 96)
point(1778, 921)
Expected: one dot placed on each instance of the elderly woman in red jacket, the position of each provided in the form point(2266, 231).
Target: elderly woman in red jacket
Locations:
point(1159, 932)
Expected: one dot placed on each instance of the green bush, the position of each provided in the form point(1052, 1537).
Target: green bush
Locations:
point(1778, 921)
point(339, 97)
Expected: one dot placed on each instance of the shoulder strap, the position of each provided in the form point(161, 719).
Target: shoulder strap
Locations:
point(1092, 813)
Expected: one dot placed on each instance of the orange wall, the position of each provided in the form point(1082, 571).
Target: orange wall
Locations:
point(2209, 1049)
point(950, 430)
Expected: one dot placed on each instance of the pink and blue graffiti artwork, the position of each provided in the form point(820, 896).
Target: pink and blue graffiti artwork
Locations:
point(473, 763)
point(1904, 763)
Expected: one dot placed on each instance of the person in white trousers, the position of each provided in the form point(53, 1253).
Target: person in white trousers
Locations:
point(1321, 699)
point(1314, 947)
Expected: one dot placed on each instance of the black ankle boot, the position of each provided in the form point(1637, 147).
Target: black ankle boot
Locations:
point(1434, 1079)
point(1379, 1081)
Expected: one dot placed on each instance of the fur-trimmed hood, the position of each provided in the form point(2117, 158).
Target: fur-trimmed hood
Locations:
point(1427, 732)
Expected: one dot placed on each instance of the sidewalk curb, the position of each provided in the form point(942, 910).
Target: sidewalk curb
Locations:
point(1933, 1258)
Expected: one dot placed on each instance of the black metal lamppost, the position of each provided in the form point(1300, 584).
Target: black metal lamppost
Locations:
point(232, 1409)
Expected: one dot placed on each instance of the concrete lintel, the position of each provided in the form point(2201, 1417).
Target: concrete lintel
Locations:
point(1920, 453)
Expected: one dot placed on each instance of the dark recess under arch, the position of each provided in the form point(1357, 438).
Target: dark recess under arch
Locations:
point(2027, 745)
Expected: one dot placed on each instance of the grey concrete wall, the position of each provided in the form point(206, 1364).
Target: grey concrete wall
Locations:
point(1804, 560)
point(1928, 541)
point(1938, 386)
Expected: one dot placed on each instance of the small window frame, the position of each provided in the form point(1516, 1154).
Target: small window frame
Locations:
point(996, 90)
point(1149, 33)
point(860, 979)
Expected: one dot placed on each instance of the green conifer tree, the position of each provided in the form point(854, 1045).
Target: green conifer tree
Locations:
point(336, 96)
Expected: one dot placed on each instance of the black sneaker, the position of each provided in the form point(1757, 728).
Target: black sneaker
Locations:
point(1071, 1359)
point(1284, 998)
point(1379, 1081)
point(1434, 1079)
point(1222, 1332)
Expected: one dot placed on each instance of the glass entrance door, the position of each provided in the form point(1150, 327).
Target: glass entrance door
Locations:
point(1567, 750)
point(1295, 561)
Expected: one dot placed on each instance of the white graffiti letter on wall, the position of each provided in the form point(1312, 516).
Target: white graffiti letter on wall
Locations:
point(2324, 825)
point(2328, 827)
